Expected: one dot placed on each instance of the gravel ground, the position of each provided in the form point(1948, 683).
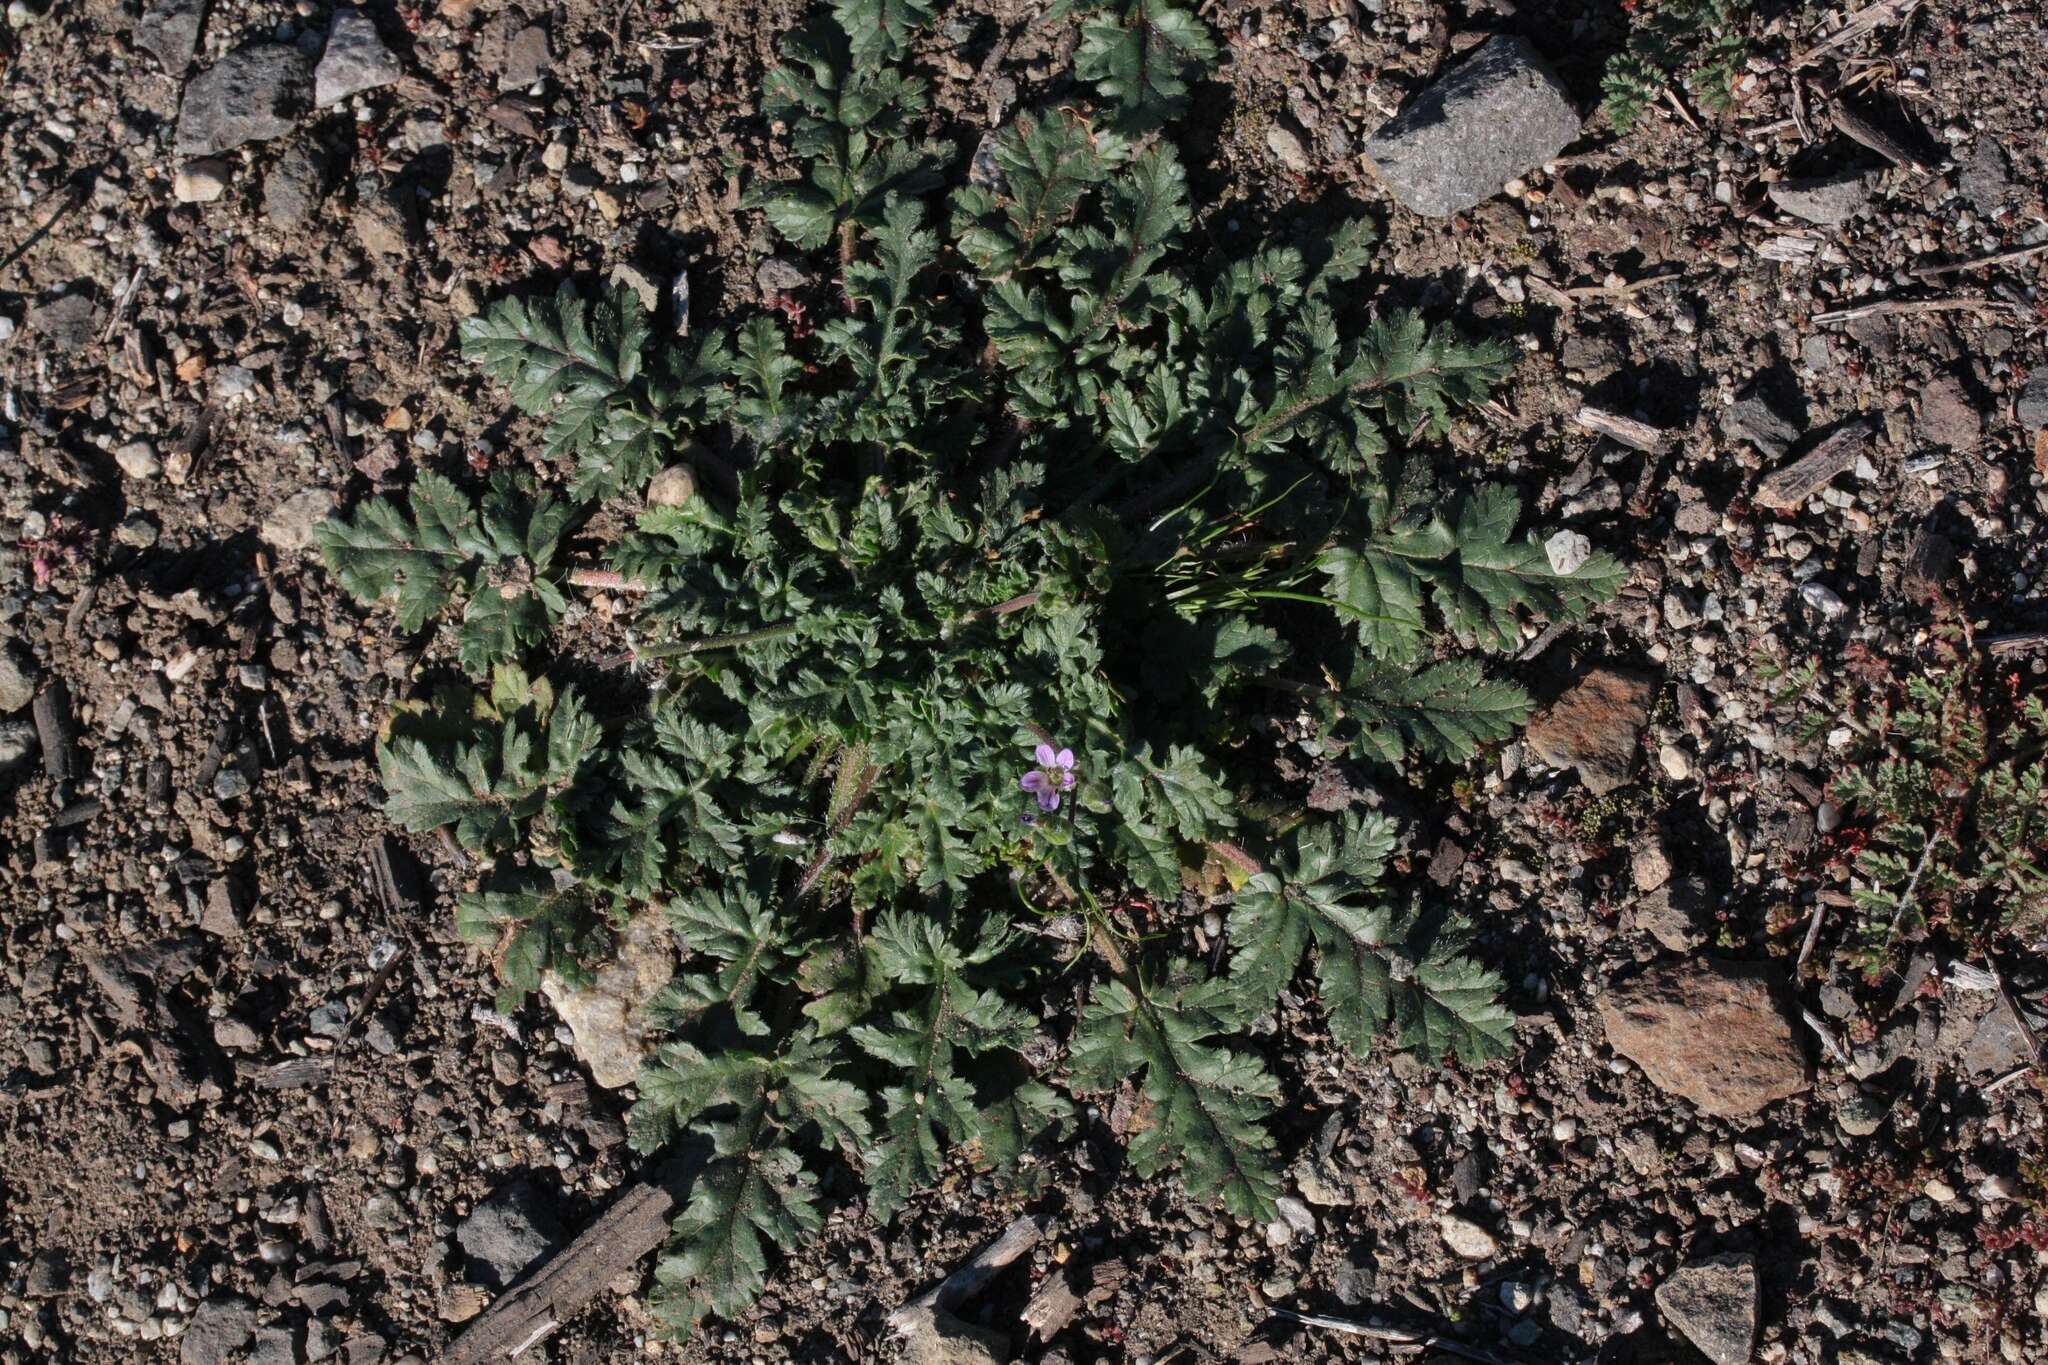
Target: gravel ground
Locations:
point(253, 1090)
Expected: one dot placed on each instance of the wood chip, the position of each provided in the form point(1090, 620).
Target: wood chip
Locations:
point(1053, 1305)
point(1787, 489)
point(1629, 432)
point(1854, 124)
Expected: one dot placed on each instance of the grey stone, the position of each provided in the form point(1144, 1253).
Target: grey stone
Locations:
point(1754, 420)
point(1984, 178)
point(1860, 1115)
point(507, 1233)
point(1827, 200)
point(250, 95)
point(1714, 1303)
point(17, 681)
point(527, 58)
point(355, 60)
point(779, 275)
point(273, 1346)
point(69, 321)
point(169, 32)
point(1499, 114)
point(2032, 408)
point(291, 190)
point(1995, 1047)
point(218, 1330)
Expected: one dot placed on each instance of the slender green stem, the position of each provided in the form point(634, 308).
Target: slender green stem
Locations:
point(706, 645)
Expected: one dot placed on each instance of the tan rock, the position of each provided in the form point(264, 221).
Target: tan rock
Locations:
point(607, 1017)
point(1717, 1033)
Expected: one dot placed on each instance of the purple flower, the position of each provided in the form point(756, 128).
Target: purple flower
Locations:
point(1053, 775)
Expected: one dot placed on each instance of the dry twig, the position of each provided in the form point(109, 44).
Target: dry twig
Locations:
point(1887, 307)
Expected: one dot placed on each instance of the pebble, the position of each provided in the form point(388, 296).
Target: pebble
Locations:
point(1496, 115)
point(355, 60)
point(1286, 148)
point(1823, 600)
point(1676, 762)
point(1860, 1115)
point(138, 460)
point(1568, 552)
point(17, 681)
point(200, 182)
point(1466, 1238)
point(1939, 1190)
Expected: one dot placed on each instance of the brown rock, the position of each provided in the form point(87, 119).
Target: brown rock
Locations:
point(1948, 417)
point(1718, 1033)
point(1596, 727)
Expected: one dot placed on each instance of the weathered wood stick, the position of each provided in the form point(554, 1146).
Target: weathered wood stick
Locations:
point(971, 1278)
point(635, 1224)
point(1787, 489)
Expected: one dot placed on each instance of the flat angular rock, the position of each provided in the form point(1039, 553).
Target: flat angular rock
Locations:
point(289, 527)
point(217, 1333)
point(1717, 1033)
point(527, 59)
point(291, 189)
point(1714, 1304)
point(2032, 409)
point(250, 95)
point(1754, 420)
point(1826, 200)
point(1596, 728)
point(1499, 114)
point(169, 32)
point(355, 60)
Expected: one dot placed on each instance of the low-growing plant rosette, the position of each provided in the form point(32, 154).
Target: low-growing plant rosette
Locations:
point(955, 670)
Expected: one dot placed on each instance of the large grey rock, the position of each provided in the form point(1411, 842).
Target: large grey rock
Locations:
point(250, 95)
point(169, 31)
point(527, 59)
point(1826, 200)
point(1751, 418)
point(1714, 1303)
point(355, 60)
point(1501, 113)
point(509, 1231)
point(217, 1333)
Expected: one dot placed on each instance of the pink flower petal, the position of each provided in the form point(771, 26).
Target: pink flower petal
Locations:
point(1064, 758)
point(1045, 755)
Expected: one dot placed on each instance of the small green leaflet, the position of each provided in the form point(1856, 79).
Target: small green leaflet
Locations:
point(1375, 966)
point(497, 555)
point(1141, 54)
point(1482, 581)
point(1208, 1103)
